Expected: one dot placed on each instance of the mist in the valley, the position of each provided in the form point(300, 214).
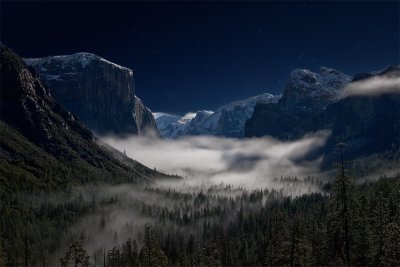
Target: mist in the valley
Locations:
point(116, 213)
point(220, 168)
point(205, 160)
point(217, 169)
point(214, 170)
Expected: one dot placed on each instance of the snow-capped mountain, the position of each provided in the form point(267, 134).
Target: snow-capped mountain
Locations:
point(172, 126)
point(308, 90)
point(311, 102)
point(99, 92)
point(227, 120)
point(305, 94)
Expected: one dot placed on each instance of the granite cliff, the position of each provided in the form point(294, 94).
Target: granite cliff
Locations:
point(367, 123)
point(43, 146)
point(227, 121)
point(99, 92)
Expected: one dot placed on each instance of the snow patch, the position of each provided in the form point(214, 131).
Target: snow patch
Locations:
point(205, 122)
point(82, 58)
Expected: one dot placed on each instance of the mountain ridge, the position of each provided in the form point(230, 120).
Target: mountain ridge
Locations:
point(46, 146)
point(368, 123)
point(100, 92)
point(228, 120)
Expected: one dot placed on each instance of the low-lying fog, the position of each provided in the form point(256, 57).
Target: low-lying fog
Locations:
point(217, 170)
point(205, 160)
point(218, 174)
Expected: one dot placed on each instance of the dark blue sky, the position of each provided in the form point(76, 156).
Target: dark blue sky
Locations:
point(199, 55)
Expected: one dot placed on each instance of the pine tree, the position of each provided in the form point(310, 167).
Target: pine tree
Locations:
point(340, 219)
point(129, 253)
point(182, 259)
point(75, 255)
point(391, 244)
point(361, 233)
point(191, 247)
point(151, 255)
point(2, 255)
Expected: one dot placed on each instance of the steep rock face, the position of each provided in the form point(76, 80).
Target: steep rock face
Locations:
point(145, 121)
point(306, 93)
point(99, 92)
point(197, 124)
point(44, 146)
point(309, 91)
point(226, 121)
point(164, 123)
point(172, 126)
point(367, 124)
point(277, 121)
point(231, 118)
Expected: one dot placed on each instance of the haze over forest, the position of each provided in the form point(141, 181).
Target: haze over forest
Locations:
point(199, 134)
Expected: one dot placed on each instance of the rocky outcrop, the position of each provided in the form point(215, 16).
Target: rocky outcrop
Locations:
point(306, 94)
point(309, 91)
point(226, 121)
point(231, 118)
point(99, 92)
point(277, 121)
point(366, 123)
point(44, 146)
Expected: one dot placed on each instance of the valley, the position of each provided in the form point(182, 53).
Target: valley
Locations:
point(199, 133)
point(204, 199)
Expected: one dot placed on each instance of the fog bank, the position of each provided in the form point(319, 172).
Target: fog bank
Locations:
point(373, 86)
point(251, 162)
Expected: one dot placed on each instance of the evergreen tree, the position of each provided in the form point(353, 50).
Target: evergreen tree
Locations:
point(391, 244)
point(340, 219)
point(2, 255)
point(191, 247)
point(151, 254)
point(182, 259)
point(75, 256)
point(361, 222)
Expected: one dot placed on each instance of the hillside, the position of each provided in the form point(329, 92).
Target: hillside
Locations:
point(34, 124)
point(43, 149)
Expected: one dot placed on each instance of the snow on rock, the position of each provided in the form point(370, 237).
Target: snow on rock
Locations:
point(101, 93)
point(311, 90)
point(82, 58)
point(227, 121)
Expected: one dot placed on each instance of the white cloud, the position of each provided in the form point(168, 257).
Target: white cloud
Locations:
point(252, 163)
point(373, 86)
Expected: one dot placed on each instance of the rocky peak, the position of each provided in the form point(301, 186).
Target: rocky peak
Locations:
point(100, 92)
point(77, 60)
point(227, 120)
point(201, 115)
point(391, 68)
point(46, 143)
point(308, 90)
point(389, 71)
point(27, 106)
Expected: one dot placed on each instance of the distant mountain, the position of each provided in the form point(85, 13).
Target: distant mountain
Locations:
point(172, 126)
point(43, 146)
point(226, 121)
point(306, 93)
point(99, 92)
point(311, 102)
point(310, 91)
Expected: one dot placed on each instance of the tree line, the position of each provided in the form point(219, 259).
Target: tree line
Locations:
point(348, 226)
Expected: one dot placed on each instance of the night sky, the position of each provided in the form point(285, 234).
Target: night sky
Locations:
point(200, 55)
